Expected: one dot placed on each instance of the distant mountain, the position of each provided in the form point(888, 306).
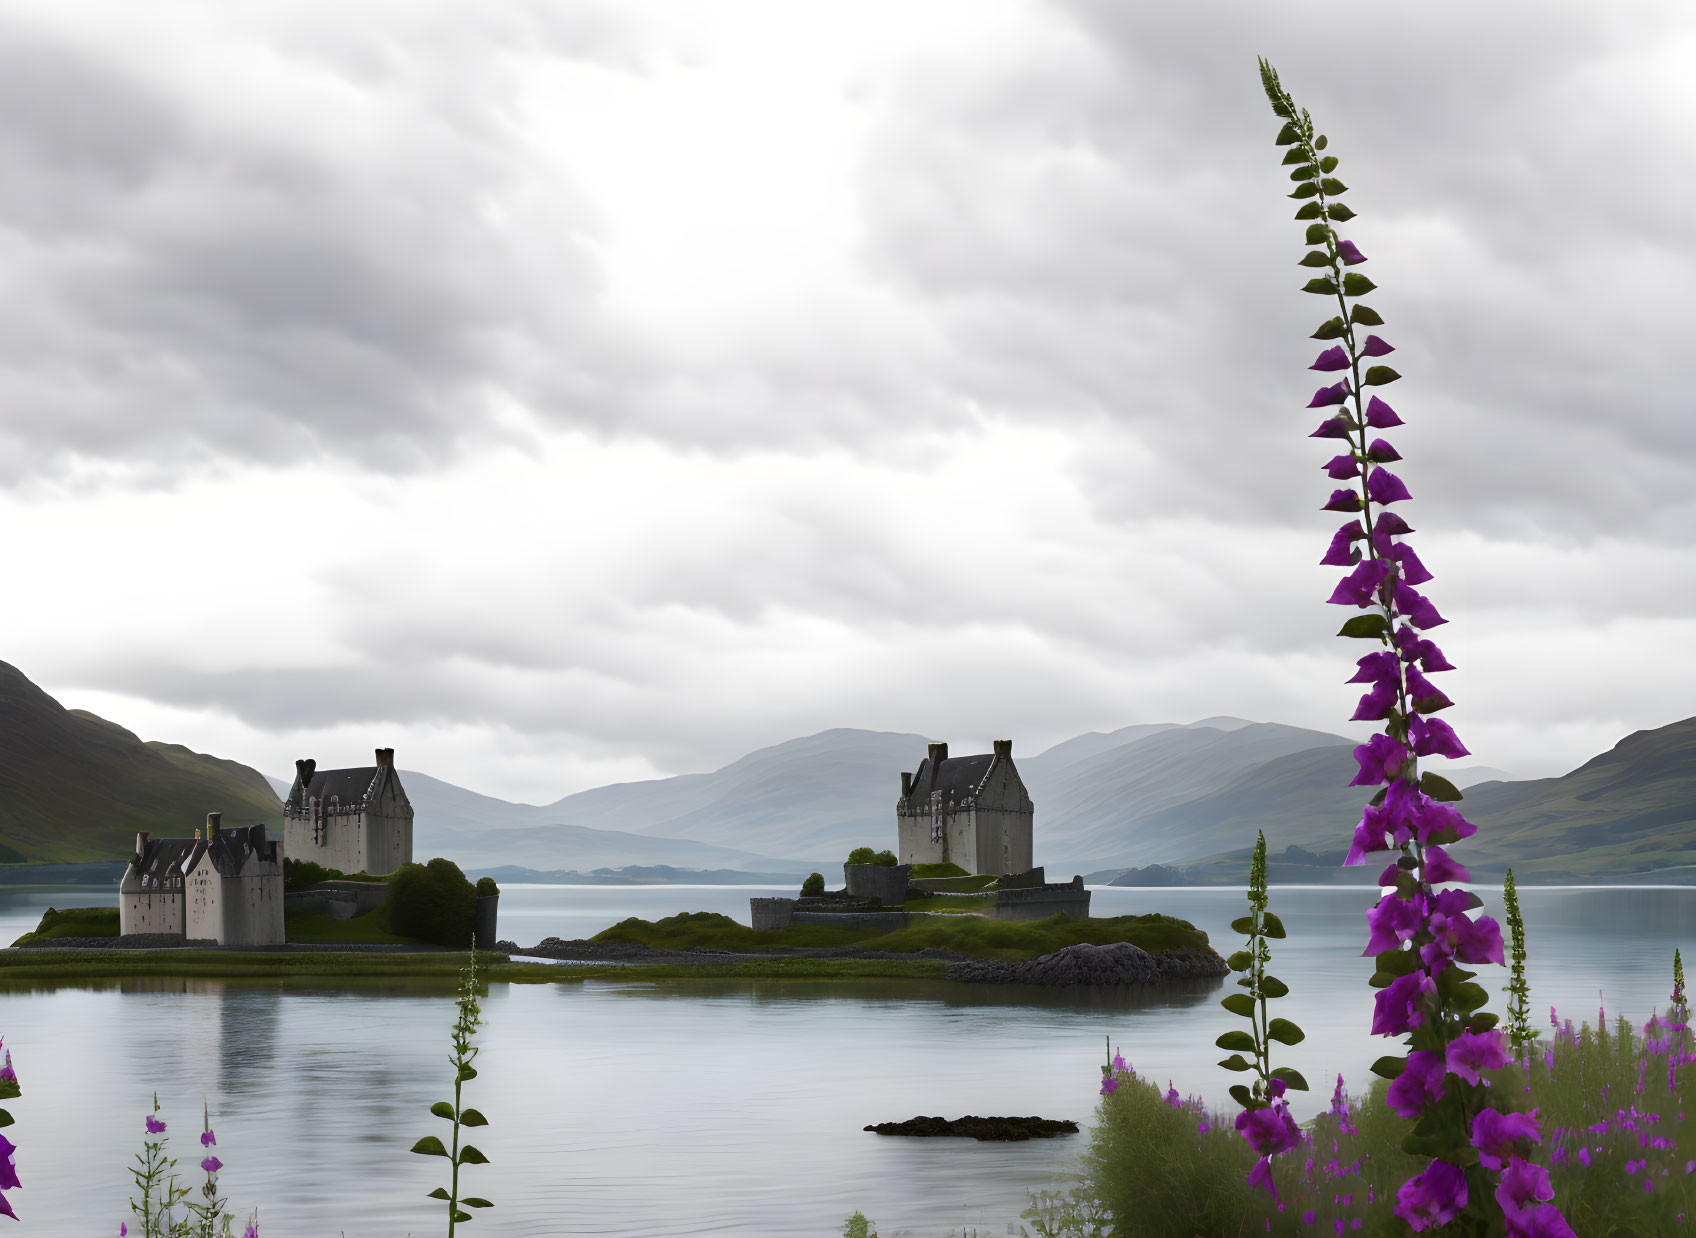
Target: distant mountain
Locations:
point(75, 787)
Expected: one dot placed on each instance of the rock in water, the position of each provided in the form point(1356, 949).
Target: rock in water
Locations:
point(1096, 966)
point(1004, 1130)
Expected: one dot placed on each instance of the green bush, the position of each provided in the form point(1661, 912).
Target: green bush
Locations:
point(813, 886)
point(486, 886)
point(432, 902)
point(865, 855)
point(885, 858)
point(299, 874)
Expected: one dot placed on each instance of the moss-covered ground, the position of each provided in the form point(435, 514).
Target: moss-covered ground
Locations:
point(73, 922)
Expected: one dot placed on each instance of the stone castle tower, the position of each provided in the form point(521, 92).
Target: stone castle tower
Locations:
point(971, 811)
point(355, 820)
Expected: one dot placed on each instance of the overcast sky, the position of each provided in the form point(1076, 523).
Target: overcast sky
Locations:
point(570, 393)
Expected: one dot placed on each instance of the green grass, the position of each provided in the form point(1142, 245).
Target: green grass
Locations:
point(372, 928)
point(980, 938)
point(80, 965)
point(951, 906)
point(938, 870)
point(73, 922)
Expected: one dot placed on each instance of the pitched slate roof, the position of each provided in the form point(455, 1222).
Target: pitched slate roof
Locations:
point(955, 777)
point(164, 858)
point(347, 785)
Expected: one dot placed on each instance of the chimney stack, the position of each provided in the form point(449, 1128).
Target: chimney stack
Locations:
point(213, 821)
point(906, 784)
point(140, 847)
point(1004, 748)
point(385, 758)
point(938, 754)
point(304, 770)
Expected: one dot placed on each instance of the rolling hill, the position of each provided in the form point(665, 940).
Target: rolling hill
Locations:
point(75, 787)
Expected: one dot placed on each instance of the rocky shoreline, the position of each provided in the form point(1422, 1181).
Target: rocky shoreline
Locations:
point(1094, 966)
point(998, 1130)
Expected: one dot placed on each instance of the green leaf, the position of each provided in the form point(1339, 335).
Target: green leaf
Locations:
point(1378, 796)
point(1298, 155)
point(1438, 787)
point(1389, 1066)
point(1239, 1004)
point(1240, 960)
point(6, 1119)
point(1366, 316)
point(1285, 1032)
point(1304, 173)
point(1328, 164)
point(1355, 284)
point(1398, 962)
point(1378, 375)
point(1332, 185)
point(442, 1110)
point(1482, 1022)
point(475, 1201)
point(1271, 926)
point(1273, 987)
point(1339, 212)
point(429, 1146)
point(1291, 1076)
point(1315, 258)
point(469, 1155)
point(1309, 210)
point(440, 1192)
point(1242, 924)
point(459, 1216)
point(1240, 1042)
point(1322, 286)
point(467, 1073)
point(1321, 142)
point(1330, 329)
point(1289, 133)
point(1306, 189)
point(1318, 234)
point(1366, 626)
point(1235, 1062)
point(1241, 1094)
point(1470, 997)
point(472, 1118)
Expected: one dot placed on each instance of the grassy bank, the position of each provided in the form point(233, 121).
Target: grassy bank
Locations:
point(73, 922)
point(987, 939)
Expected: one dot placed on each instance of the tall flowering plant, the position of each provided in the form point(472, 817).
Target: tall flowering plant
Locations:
point(1265, 1121)
point(461, 1115)
point(9, 1090)
point(1420, 935)
point(1521, 1035)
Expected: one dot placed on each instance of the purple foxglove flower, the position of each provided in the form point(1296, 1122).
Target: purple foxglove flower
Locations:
point(1380, 452)
point(1380, 416)
point(1379, 703)
point(1108, 1085)
point(6, 1209)
point(1522, 1186)
point(1342, 501)
point(1440, 868)
point(1336, 393)
point(252, 1231)
point(154, 1125)
point(1172, 1097)
point(1389, 522)
point(1377, 668)
point(1331, 359)
point(1384, 487)
point(8, 1165)
point(1271, 1130)
point(1434, 737)
point(1376, 347)
point(1261, 1176)
point(123, 1229)
point(1380, 760)
point(1437, 822)
point(1393, 921)
point(1349, 254)
point(1400, 1006)
point(1413, 571)
point(1341, 551)
point(1368, 837)
point(211, 1164)
point(1495, 1134)
point(1118, 1061)
point(207, 1138)
point(1415, 606)
point(1420, 1084)
point(1333, 427)
point(1343, 467)
point(1471, 1052)
point(1433, 1198)
point(1425, 696)
point(1359, 586)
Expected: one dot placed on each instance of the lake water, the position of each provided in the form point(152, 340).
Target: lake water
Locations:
point(711, 1107)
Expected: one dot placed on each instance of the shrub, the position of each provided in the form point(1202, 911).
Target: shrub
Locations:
point(433, 902)
point(862, 855)
point(486, 886)
point(813, 886)
point(885, 858)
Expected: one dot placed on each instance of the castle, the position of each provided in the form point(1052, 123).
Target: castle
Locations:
point(354, 820)
point(226, 887)
point(971, 811)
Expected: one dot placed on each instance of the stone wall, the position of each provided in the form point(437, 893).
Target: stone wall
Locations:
point(251, 909)
point(767, 914)
point(1040, 902)
point(1026, 880)
point(887, 884)
point(153, 910)
point(487, 931)
point(883, 921)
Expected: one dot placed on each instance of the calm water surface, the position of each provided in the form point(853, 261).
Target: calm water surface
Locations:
point(711, 1107)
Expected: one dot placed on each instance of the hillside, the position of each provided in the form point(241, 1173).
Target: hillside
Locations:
point(75, 787)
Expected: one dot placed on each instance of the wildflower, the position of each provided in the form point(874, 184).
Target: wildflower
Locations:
point(1419, 1085)
point(1108, 1085)
point(154, 1125)
point(8, 1165)
point(1522, 1188)
point(207, 1138)
point(211, 1164)
point(1172, 1095)
point(1331, 359)
point(1349, 253)
point(1495, 1134)
point(1433, 1197)
point(1118, 1061)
